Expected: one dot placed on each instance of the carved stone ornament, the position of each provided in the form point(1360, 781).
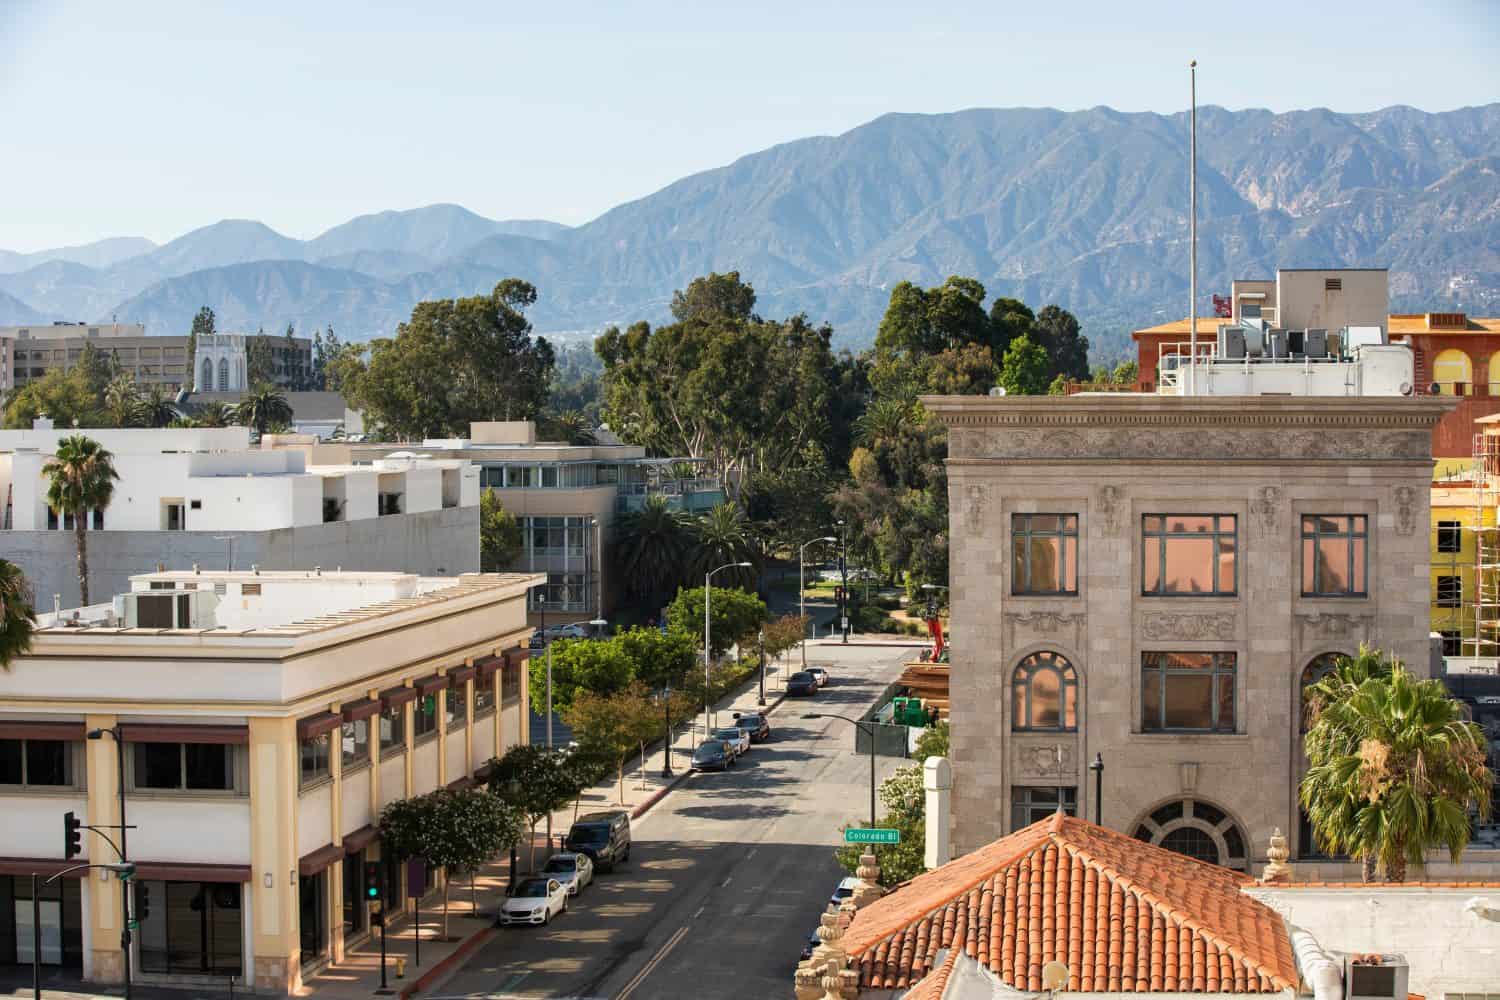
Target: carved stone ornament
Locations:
point(976, 499)
point(1267, 506)
point(1335, 626)
point(1406, 509)
point(1191, 443)
point(1046, 623)
point(1277, 870)
point(1108, 500)
point(1043, 762)
point(1168, 625)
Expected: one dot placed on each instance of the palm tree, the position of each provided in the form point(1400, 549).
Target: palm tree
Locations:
point(122, 401)
point(17, 616)
point(215, 415)
point(1394, 767)
point(157, 408)
point(652, 547)
point(262, 407)
point(724, 535)
point(82, 475)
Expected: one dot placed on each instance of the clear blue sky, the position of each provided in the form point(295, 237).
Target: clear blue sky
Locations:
point(152, 117)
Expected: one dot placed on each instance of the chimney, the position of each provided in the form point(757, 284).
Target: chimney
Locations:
point(937, 782)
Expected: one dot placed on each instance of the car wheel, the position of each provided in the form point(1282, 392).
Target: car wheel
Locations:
point(565, 904)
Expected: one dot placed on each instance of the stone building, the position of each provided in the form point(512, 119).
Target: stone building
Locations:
point(1152, 580)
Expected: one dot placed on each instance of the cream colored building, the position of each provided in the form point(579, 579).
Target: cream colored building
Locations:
point(266, 718)
point(1153, 580)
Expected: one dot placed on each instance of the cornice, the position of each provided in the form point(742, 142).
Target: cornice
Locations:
point(1119, 410)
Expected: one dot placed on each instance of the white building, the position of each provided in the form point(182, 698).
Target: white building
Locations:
point(219, 362)
point(204, 496)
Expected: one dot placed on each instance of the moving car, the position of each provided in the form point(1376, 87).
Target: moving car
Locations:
point(755, 725)
point(572, 869)
point(801, 685)
point(534, 901)
point(712, 755)
point(820, 675)
point(603, 836)
point(844, 889)
point(737, 738)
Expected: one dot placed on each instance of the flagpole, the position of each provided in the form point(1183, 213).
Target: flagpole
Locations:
point(1193, 230)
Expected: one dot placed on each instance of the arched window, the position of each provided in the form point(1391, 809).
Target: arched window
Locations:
point(1044, 694)
point(1197, 829)
point(206, 383)
point(1317, 668)
point(223, 375)
point(1453, 372)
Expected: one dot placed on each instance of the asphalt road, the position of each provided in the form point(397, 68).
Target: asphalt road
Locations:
point(727, 875)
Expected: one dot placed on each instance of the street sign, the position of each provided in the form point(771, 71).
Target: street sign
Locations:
point(871, 835)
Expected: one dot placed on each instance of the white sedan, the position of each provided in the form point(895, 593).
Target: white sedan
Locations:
point(534, 901)
point(572, 869)
point(737, 738)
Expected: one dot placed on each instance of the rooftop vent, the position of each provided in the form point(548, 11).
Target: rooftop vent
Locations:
point(1447, 321)
point(1375, 977)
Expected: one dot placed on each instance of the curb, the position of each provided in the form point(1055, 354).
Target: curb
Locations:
point(445, 965)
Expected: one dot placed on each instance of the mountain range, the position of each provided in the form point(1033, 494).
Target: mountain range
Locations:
point(1087, 209)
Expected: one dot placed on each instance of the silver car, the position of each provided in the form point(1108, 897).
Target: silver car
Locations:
point(572, 869)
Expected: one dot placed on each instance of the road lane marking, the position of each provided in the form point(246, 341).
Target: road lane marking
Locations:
point(699, 911)
point(726, 881)
point(655, 961)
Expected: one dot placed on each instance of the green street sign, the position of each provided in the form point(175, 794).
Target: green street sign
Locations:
point(871, 835)
point(134, 925)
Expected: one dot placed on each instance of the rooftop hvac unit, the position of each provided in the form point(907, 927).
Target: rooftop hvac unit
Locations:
point(175, 609)
point(1315, 344)
point(1232, 342)
point(1276, 343)
point(1296, 342)
point(1375, 977)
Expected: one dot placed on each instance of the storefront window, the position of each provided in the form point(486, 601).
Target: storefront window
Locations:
point(62, 922)
point(354, 894)
point(191, 928)
point(312, 912)
point(191, 767)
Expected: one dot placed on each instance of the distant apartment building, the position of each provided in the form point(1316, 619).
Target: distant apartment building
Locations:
point(261, 722)
point(204, 496)
point(567, 498)
point(32, 351)
point(1332, 309)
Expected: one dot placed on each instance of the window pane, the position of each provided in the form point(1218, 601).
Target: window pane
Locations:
point(1357, 583)
point(209, 766)
point(1226, 565)
point(1193, 524)
point(10, 762)
point(1189, 565)
point(1151, 564)
point(46, 762)
point(1333, 565)
point(1226, 702)
point(356, 742)
point(393, 728)
point(457, 715)
point(1018, 564)
point(1045, 699)
point(1152, 522)
point(1070, 706)
point(1150, 700)
point(1331, 525)
point(1043, 522)
point(1046, 558)
point(1309, 567)
point(158, 765)
point(1189, 701)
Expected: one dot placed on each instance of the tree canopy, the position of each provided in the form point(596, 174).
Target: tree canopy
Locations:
point(500, 538)
point(733, 615)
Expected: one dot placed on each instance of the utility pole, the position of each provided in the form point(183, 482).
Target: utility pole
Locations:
point(1193, 229)
point(844, 577)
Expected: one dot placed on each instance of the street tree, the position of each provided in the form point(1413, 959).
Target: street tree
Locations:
point(733, 615)
point(500, 539)
point(536, 782)
point(80, 479)
point(1025, 370)
point(263, 408)
point(578, 665)
point(17, 613)
point(614, 726)
point(904, 800)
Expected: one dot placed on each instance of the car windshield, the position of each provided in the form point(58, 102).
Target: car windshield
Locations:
point(711, 747)
point(842, 892)
point(532, 887)
point(748, 722)
point(590, 834)
point(727, 734)
point(564, 865)
point(802, 676)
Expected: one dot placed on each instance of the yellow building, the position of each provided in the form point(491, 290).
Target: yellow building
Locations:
point(1465, 567)
point(260, 722)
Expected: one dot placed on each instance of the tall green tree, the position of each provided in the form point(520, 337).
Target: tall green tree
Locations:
point(579, 666)
point(260, 363)
point(1009, 319)
point(724, 535)
point(122, 401)
point(80, 479)
point(1026, 370)
point(615, 726)
point(652, 546)
point(733, 615)
point(1057, 332)
point(64, 396)
point(1393, 767)
point(714, 295)
point(499, 533)
point(17, 613)
point(157, 409)
point(264, 407)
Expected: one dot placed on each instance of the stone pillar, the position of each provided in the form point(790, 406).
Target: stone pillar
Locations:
point(273, 855)
point(937, 783)
point(1277, 870)
point(869, 889)
point(103, 912)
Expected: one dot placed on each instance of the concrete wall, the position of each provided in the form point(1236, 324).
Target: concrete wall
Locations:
point(433, 543)
point(1304, 301)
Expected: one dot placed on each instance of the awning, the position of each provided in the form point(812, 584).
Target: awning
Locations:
point(171, 733)
point(317, 725)
point(392, 697)
point(360, 839)
point(188, 871)
point(462, 675)
point(431, 685)
point(38, 730)
point(363, 709)
point(488, 666)
point(45, 867)
point(311, 864)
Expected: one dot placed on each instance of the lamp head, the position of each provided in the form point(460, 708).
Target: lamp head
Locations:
point(830, 538)
point(744, 565)
point(95, 734)
point(598, 623)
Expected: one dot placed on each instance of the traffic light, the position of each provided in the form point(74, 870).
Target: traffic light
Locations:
point(372, 880)
point(72, 836)
point(142, 902)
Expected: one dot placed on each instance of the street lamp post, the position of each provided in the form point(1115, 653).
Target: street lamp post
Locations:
point(1097, 766)
point(761, 640)
point(666, 743)
point(844, 577)
point(708, 656)
point(513, 789)
point(802, 589)
point(596, 623)
point(125, 886)
point(857, 724)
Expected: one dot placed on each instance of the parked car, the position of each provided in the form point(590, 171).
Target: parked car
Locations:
point(537, 641)
point(566, 632)
point(737, 739)
point(801, 685)
point(712, 755)
point(755, 725)
point(534, 901)
point(820, 675)
point(844, 889)
point(572, 869)
point(603, 836)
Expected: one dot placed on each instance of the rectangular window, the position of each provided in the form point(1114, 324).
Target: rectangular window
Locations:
point(354, 894)
point(1450, 591)
point(183, 767)
point(36, 763)
point(484, 695)
point(1188, 555)
point(193, 928)
point(312, 910)
point(456, 707)
point(1044, 553)
point(1030, 805)
point(520, 476)
point(510, 682)
point(356, 752)
point(1450, 536)
point(1333, 555)
point(313, 755)
point(1187, 692)
point(393, 730)
point(1453, 642)
point(96, 520)
point(424, 716)
point(549, 477)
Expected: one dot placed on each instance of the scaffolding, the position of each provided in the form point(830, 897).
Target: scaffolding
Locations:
point(1481, 629)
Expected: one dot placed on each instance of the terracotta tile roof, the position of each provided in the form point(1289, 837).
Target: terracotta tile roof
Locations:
point(1121, 914)
point(932, 985)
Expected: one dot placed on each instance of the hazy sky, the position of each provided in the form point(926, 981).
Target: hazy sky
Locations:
point(153, 117)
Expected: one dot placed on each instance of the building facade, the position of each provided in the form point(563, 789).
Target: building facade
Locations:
point(1153, 580)
point(265, 721)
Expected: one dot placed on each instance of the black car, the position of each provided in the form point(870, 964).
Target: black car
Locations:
point(603, 836)
point(754, 724)
point(712, 755)
point(812, 942)
point(801, 685)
